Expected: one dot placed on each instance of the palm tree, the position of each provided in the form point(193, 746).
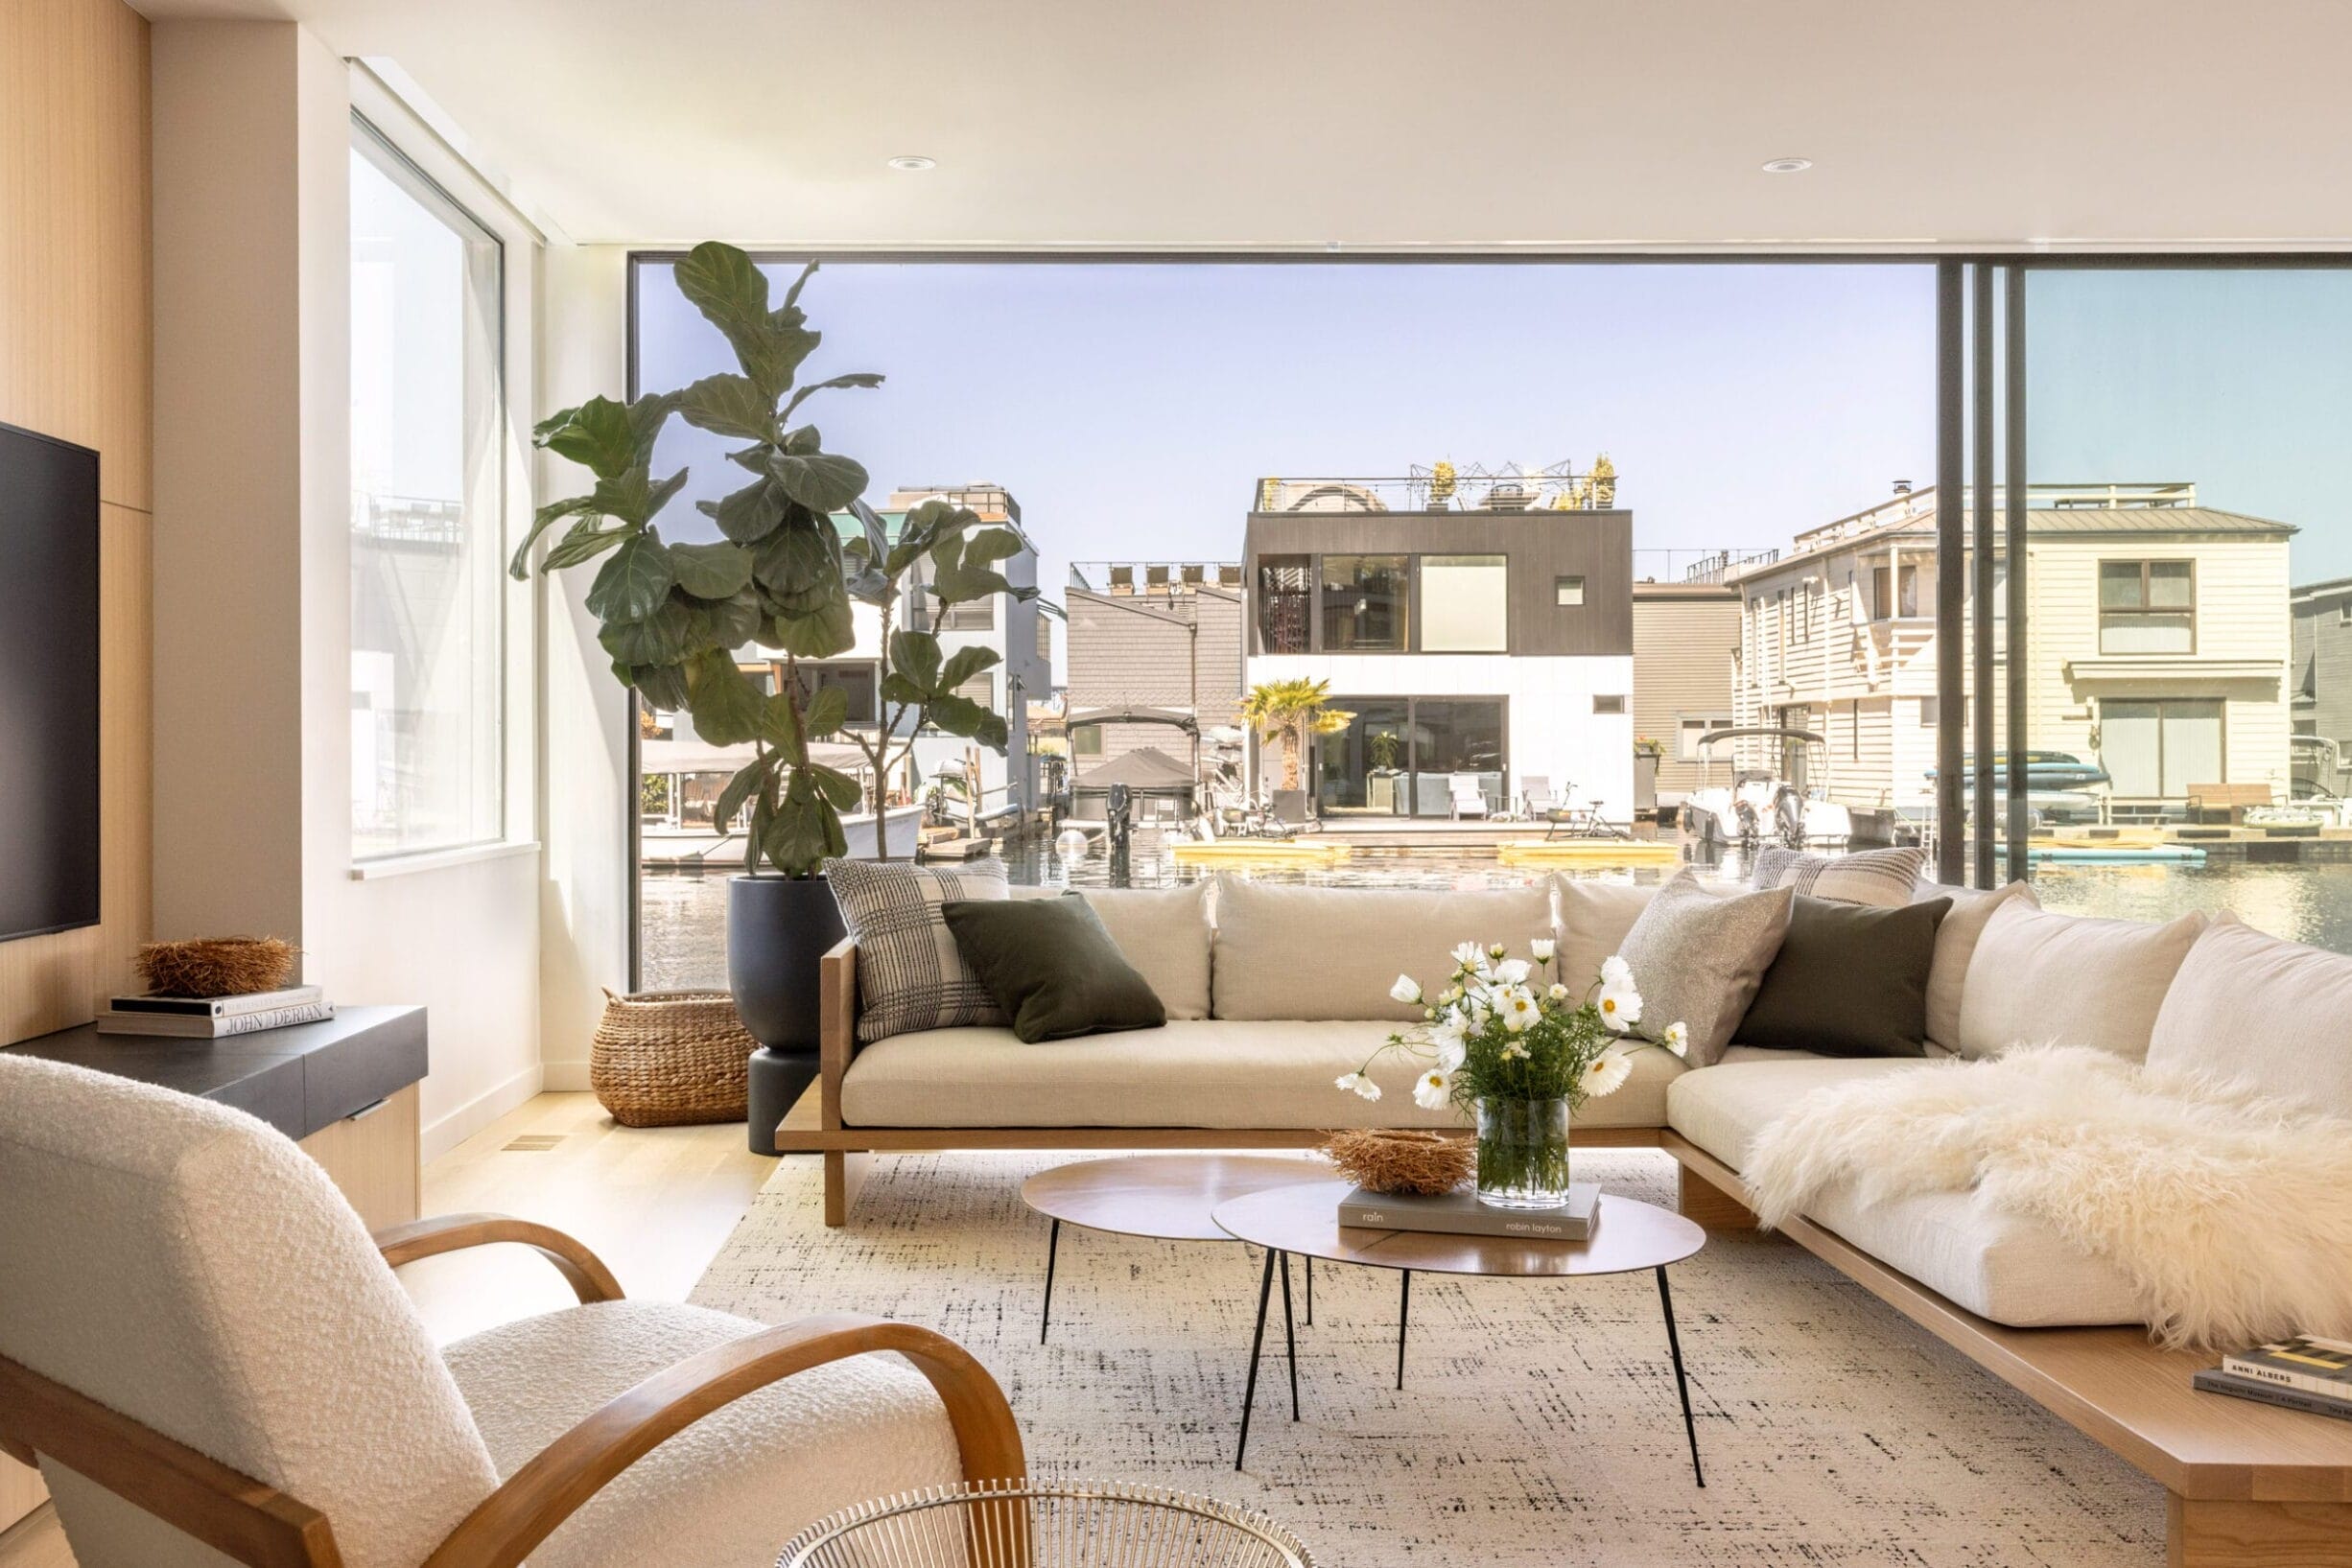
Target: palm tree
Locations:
point(1289, 710)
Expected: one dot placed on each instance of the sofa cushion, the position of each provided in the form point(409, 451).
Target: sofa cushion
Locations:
point(1850, 979)
point(1593, 919)
point(2012, 1270)
point(1164, 933)
point(1882, 877)
point(1196, 1073)
point(910, 974)
point(1054, 971)
point(2291, 1041)
point(1284, 951)
point(2040, 977)
point(1956, 940)
point(1697, 957)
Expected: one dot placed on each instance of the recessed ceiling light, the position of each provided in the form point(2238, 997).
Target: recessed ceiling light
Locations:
point(910, 163)
point(1787, 166)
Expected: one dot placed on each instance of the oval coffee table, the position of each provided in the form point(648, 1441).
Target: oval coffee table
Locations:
point(1304, 1218)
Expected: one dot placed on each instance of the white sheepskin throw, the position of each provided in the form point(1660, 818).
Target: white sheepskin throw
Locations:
point(2230, 1213)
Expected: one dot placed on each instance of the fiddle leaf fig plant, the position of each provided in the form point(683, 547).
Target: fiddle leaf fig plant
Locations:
point(673, 615)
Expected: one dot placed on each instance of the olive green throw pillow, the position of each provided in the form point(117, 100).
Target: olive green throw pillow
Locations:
point(1052, 968)
point(1850, 980)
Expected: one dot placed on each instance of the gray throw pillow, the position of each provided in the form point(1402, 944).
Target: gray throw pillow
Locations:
point(910, 973)
point(1698, 958)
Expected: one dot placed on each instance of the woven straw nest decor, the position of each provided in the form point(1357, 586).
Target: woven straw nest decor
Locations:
point(231, 966)
point(1397, 1161)
point(671, 1058)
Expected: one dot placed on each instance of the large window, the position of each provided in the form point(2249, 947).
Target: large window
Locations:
point(2164, 749)
point(2147, 607)
point(1365, 603)
point(427, 524)
point(1464, 603)
point(1403, 756)
point(1284, 606)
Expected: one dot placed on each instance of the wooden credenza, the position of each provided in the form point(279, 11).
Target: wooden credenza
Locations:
point(344, 1089)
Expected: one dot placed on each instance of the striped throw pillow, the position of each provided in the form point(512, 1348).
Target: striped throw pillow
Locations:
point(1881, 879)
point(909, 974)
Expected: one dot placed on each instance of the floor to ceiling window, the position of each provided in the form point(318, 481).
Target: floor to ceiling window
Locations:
point(427, 524)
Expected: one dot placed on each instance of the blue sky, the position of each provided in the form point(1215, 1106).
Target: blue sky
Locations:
point(1132, 406)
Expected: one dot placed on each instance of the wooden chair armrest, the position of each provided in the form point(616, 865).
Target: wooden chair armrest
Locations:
point(837, 1024)
point(514, 1520)
point(586, 1273)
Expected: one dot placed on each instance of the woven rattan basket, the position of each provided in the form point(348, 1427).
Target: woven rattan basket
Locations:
point(671, 1058)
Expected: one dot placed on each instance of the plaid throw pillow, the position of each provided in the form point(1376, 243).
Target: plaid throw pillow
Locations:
point(1882, 878)
point(909, 974)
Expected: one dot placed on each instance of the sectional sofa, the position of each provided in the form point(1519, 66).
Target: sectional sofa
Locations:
point(1274, 990)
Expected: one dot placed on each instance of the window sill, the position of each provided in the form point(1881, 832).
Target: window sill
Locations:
point(403, 865)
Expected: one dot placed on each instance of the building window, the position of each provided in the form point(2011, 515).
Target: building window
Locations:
point(1282, 604)
point(428, 524)
point(1365, 603)
point(1086, 740)
point(2161, 749)
point(2147, 607)
point(1568, 593)
point(2343, 613)
point(1045, 641)
point(1893, 594)
point(973, 614)
point(1930, 713)
point(1690, 727)
point(854, 681)
point(1608, 704)
point(1464, 603)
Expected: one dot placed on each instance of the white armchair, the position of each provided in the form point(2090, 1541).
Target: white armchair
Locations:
point(206, 1354)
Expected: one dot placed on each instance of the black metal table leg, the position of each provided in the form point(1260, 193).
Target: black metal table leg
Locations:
point(1309, 1262)
point(1290, 1339)
point(1404, 1314)
point(1053, 1245)
point(1249, 1392)
point(1682, 1385)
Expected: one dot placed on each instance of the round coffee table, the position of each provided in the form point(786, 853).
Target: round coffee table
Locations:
point(1304, 1218)
point(1168, 1196)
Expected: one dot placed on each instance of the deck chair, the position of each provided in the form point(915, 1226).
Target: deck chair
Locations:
point(1466, 798)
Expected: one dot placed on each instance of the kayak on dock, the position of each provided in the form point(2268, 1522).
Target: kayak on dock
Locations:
point(1587, 851)
point(2117, 854)
point(1261, 852)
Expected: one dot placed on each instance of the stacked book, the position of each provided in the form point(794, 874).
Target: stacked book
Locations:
point(1462, 1214)
point(213, 1018)
point(2305, 1372)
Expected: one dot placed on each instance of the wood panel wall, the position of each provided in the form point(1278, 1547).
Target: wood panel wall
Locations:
point(75, 362)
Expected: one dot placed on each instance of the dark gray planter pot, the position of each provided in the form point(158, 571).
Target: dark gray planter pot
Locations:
point(778, 928)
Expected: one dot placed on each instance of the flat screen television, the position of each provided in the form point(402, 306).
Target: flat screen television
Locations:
point(48, 684)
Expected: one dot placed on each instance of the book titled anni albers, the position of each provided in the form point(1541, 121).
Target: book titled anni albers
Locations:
point(213, 1017)
point(2305, 1372)
point(1461, 1214)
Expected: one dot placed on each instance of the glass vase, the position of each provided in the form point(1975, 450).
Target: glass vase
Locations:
point(1523, 1153)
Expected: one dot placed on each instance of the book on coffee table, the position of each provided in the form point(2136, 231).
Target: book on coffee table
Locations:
point(2213, 1380)
point(2307, 1363)
point(1462, 1214)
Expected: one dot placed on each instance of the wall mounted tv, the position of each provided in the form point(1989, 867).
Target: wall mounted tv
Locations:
point(48, 684)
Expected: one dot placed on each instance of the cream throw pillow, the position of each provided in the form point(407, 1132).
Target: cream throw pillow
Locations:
point(1163, 933)
point(1880, 879)
point(2042, 978)
point(1332, 953)
point(1698, 958)
point(2294, 1042)
point(1594, 917)
point(1956, 940)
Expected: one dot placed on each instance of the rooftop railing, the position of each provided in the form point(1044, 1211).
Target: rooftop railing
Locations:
point(1153, 576)
point(1444, 488)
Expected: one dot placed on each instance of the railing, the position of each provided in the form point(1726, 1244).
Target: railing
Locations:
point(1153, 577)
point(1697, 566)
point(407, 520)
point(1444, 488)
point(975, 498)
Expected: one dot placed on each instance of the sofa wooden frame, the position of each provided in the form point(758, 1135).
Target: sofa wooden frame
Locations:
point(253, 1523)
point(2247, 1485)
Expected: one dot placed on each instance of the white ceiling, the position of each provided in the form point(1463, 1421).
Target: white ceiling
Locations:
point(1382, 124)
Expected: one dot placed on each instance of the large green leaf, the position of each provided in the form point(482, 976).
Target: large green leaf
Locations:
point(727, 708)
point(731, 291)
point(798, 565)
point(806, 831)
point(584, 542)
point(827, 711)
point(635, 582)
point(726, 622)
point(633, 496)
point(820, 481)
point(663, 637)
point(964, 664)
point(729, 404)
point(553, 423)
point(646, 417)
point(991, 545)
point(962, 584)
point(545, 518)
point(710, 570)
point(819, 632)
point(862, 378)
point(740, 788)
point(662, 686)
point(899, 691)
point(840, 790)
point(915, 655)
point(750, 514)
point(598, 436)
point(961, 716)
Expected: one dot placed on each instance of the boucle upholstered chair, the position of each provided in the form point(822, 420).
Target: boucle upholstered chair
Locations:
point(212, 1362)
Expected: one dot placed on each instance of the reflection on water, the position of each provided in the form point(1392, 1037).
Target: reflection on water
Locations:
point(684, 914)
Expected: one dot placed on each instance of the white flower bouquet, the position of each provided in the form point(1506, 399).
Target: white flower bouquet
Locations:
point(1517, 1050)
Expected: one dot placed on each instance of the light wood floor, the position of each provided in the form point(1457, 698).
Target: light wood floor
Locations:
point(655, 1203)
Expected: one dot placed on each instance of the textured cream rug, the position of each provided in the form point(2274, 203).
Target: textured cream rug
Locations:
point(1538, 1424)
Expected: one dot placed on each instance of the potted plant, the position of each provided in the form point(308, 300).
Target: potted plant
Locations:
point(673, 615)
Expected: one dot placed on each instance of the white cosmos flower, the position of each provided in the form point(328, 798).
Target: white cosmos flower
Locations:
point(1512, 971)
point(1557, 991)
point(1543, 948)
point(1677, 1037)
point(1405, 989)
point(1451, 1052)
point(1616, 972)
point(1620, 1007)
point(1518, 1009)
point(1358, 1084)
point(1467, 954)
point(1607, 1071)
point(1515, 1049)
point(1433, 1089)
point(1496, 950)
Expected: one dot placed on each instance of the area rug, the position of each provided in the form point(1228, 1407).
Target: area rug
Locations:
point(1538, 1426)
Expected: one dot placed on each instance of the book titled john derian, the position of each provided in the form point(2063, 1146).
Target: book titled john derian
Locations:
point(1462, 1214)
point(213, 1017)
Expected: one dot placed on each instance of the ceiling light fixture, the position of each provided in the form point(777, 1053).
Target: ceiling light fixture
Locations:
point(1787, 166)
point(912, 163)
